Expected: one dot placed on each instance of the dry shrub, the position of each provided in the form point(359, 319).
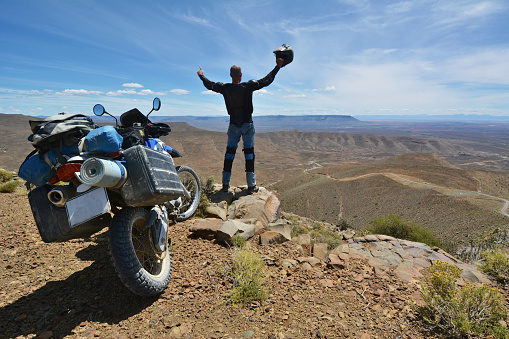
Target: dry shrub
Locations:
point(496, 264)
point(465, 312)
point(238, 241)
point(206, 191)
point(248, 273)
point(9, 187)
point(393, 226)
point(5, 175)
point(321, 234)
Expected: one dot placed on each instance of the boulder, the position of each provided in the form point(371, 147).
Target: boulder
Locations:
point(206, 228)
point(335, 262)
point(287, 263)
point(320, 251)
point(232, 228)
point(216, 210)
point(263, 206)
point(259, 229)
point(304, 240)
point(283, 227)
point(271, 238)
point(310, 260)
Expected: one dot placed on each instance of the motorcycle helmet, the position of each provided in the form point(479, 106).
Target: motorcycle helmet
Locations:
point(284, 52)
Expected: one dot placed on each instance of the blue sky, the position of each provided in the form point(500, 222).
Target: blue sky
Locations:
point(351, 56)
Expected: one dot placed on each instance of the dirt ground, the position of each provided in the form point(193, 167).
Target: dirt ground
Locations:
point(70, 290)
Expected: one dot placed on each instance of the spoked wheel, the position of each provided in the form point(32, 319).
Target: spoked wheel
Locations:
point(192, 197)
point(143, 265)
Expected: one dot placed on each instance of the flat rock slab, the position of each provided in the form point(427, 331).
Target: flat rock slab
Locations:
point(206, 228)
point(271, 238)
point(232, 228)
point(405, 258)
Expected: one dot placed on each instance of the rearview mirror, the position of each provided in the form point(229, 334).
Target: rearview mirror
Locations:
point(156, 104)
point(99, 110)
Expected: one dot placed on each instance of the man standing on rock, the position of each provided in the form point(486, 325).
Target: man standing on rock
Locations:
point(238, 97)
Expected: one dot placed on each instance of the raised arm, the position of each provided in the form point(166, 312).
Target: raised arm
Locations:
point(213, 86)
point(269, 78)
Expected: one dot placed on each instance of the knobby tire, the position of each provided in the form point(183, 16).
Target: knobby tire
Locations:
point(136, 265)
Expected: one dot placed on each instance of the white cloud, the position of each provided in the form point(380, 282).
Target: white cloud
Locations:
point(486, 66)
point(146, 92)
point(209, 92)
point(449, 14)
point(178, 91)
point(295, 96)
point(326, 89)
point(121, 92)
point(263, 91)
point(132, 85)
point(38, 92)
point(79, 92)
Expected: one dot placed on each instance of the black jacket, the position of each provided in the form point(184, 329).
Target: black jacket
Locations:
point(239, 97)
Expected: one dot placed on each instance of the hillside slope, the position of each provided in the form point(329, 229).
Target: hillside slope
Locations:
point(359, 193)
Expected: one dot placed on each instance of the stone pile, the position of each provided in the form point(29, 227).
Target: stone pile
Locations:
point(238, 214)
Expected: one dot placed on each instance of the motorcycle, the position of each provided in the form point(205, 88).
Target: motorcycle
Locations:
point(139, 185)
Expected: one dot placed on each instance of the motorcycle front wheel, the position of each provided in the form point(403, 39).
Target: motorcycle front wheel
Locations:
point(192, 184)
point(144, 270)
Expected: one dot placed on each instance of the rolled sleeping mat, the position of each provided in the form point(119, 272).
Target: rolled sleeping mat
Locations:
point(102, 173)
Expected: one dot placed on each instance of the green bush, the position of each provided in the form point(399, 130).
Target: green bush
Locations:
point(477, 245)
point(5, 176)
point(344, 224)
point(238, 241)
point(9, 187)
point(209, 186)
point(299, 229)
point(393, 226)
point(496, 264)
point(206, 191)
point(460, 312)
point(248, 272)
point(320, 234)
point(201, 211)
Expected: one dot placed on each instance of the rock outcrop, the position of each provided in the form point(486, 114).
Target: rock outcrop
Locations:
point(247, 215)
point(258, 214)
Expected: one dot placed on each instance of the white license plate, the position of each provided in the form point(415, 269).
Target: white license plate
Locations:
point(86, 206)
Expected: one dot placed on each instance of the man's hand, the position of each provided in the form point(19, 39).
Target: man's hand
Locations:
point(279, 62)
point(200, 72)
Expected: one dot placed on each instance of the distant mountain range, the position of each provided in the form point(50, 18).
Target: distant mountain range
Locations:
point(428, 117)
point(263, 123)
point(315, 123)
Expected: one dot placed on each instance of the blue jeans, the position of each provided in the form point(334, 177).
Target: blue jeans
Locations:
point(247, 132)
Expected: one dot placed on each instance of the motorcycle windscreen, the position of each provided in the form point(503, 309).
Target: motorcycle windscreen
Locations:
point(133, 116)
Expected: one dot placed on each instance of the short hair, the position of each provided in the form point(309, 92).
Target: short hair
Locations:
point(235, 70)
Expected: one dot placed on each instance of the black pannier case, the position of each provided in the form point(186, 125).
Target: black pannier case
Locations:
point(52, 221)
point(151, 177)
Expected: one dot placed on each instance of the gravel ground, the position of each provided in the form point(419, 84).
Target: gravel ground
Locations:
point(70, 290)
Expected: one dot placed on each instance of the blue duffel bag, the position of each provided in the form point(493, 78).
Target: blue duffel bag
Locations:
point(36, 169)
point(103, 139)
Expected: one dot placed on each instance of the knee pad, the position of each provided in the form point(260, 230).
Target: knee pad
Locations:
point(248, 153)
point(230, 153)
